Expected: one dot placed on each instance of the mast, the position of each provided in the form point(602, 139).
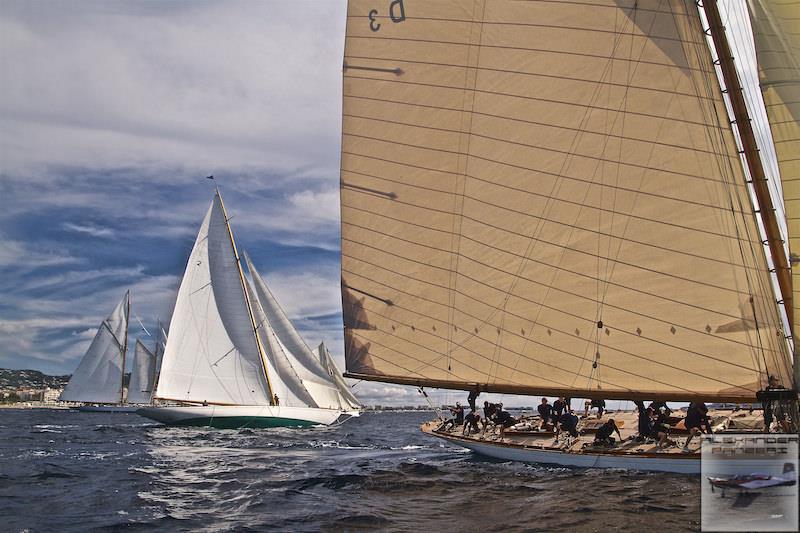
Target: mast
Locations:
point(155, 360)
point(752, 157)
point(124, 349)
point(247, 300)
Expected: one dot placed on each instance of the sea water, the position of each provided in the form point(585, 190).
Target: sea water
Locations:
point(70, 471)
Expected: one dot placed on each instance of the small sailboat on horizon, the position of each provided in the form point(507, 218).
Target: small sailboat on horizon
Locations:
point(99, 381)
point(233, 359)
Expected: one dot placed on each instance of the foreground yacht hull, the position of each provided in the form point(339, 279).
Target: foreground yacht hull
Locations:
point(241, 416)
point(509, 451)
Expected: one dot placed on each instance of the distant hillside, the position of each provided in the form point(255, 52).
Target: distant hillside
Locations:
point(33, 379)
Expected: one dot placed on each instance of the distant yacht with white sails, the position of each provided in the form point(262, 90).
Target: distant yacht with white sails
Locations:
point(99, 378)
point(99, 381)
point(233, 359)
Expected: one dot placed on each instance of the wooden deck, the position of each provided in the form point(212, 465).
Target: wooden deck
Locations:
point(627, 421)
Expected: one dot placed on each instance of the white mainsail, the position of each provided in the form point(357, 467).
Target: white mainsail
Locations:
point(346, 397)
point(98, 378)
point(287, 345)
point(140, 387)
point(212, 354)
point(547, 197)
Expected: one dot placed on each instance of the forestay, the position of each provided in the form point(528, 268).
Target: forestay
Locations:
point(211, 355)
point(98, 378)
point(547, 197)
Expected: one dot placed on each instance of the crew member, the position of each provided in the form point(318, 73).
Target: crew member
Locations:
point(603, 436)
point(473, 395)
point(471, 423)
point(545, 411)
point(696, 418)
point(568, 422)
point(457, 420)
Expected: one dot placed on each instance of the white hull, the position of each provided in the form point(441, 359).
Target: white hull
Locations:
point(682, 464)
point(239, 416)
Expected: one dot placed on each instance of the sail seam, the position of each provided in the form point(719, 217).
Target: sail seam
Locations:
point(549, 101)
point(562, 200)
point(589, 81)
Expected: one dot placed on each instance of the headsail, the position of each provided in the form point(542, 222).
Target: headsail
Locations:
point(347, 398)
point(285, 381)
point(547, 197)
point(140, 387)
point(288, 346)
point(212, 354)
point(98, 378)
point(776, 32)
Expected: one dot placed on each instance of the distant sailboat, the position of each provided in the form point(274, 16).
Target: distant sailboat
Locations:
point(225, 363)
point(100, 375)
point(547, 198)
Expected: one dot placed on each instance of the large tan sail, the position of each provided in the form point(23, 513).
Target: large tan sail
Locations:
point(547, 197)
point(776, 32)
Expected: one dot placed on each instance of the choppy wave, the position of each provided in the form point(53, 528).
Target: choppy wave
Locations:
point(108, 471)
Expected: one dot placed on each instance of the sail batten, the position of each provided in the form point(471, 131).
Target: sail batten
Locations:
point(548, 209)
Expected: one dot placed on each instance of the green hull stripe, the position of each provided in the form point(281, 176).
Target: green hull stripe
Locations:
point(236, 422)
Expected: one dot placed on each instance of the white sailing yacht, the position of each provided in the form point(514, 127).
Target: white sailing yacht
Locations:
point(99, 378)
point(549, 198)
point(226, 363)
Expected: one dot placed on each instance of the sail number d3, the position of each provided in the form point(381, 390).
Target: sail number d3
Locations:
point(397, 13)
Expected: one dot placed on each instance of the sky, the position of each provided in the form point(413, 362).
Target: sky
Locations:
point(111, 116)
